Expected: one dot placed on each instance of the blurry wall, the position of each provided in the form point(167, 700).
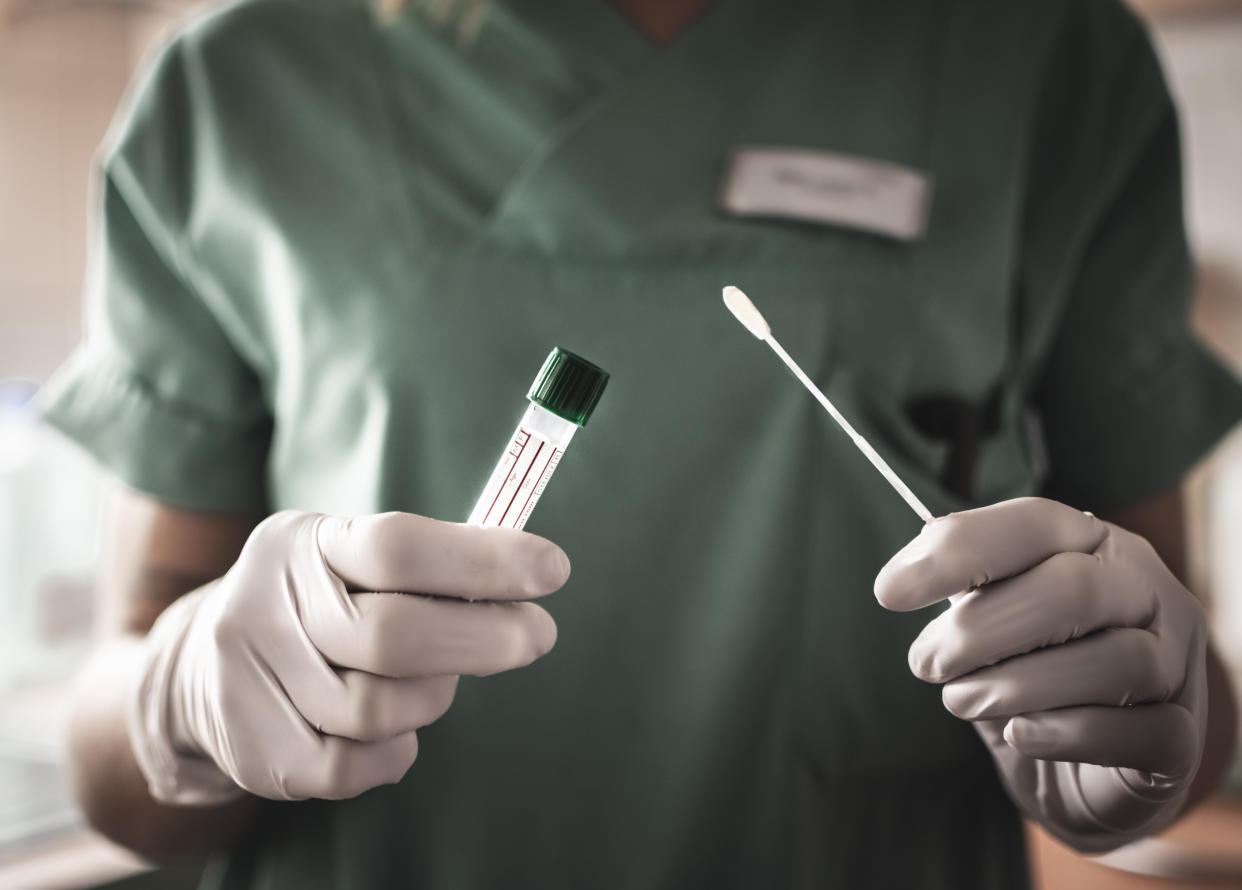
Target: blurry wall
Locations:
point(64, 65)
point(63, 68)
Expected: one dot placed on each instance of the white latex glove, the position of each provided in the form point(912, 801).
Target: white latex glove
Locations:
point(1077, 654)
point(279, 680)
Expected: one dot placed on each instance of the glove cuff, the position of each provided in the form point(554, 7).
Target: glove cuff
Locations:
point(1058, 795)
point(174, 776)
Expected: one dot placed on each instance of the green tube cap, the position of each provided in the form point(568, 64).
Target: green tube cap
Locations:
point(569, 386)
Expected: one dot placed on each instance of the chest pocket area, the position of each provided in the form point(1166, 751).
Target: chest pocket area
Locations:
point(959, 450)
point(921, 358)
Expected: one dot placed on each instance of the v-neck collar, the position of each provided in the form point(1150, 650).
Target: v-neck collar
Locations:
point(682, 27)
point(598, 37)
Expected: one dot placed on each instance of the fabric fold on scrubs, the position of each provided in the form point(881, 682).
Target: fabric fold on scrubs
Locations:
point(158, 394)
point(1143, 439)
point(160, 448)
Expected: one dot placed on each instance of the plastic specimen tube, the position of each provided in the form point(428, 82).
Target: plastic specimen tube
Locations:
point(562, 397)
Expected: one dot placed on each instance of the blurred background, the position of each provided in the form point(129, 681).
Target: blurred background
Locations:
point(64, 65)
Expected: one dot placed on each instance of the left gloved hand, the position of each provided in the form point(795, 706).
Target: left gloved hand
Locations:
point(1077, 654)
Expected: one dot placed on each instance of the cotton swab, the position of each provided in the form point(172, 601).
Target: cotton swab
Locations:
point(750, 317)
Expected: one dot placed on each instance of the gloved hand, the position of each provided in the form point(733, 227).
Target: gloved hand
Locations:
point(1077, 654)
point(278, 680)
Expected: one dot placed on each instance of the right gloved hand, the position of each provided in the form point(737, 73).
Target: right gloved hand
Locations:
point(277, 679)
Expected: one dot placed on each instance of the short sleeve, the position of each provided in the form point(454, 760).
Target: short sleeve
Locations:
point(157, 393)
point(1128, 397)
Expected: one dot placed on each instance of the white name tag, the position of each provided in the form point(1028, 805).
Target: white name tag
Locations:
point(823, 187)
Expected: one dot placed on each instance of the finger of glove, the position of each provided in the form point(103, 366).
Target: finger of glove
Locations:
point(368, 708)
point(1120, 666)
point(963, 551)
point(415, 554)
point(1067, 596)
point(1158, 738)
point(404, 635)
point(337, 768)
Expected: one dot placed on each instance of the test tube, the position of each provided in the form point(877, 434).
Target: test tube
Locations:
point(565, 392)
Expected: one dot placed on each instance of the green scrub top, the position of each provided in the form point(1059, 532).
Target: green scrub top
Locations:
point(334, 252)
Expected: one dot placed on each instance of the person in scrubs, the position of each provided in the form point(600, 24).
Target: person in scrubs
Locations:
point(332, 249)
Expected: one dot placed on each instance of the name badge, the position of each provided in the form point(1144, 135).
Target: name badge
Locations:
point(824, 187)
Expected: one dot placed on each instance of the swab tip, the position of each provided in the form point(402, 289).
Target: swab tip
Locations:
point(745, 312)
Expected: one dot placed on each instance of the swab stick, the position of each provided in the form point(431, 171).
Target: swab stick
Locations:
point(752, 319)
